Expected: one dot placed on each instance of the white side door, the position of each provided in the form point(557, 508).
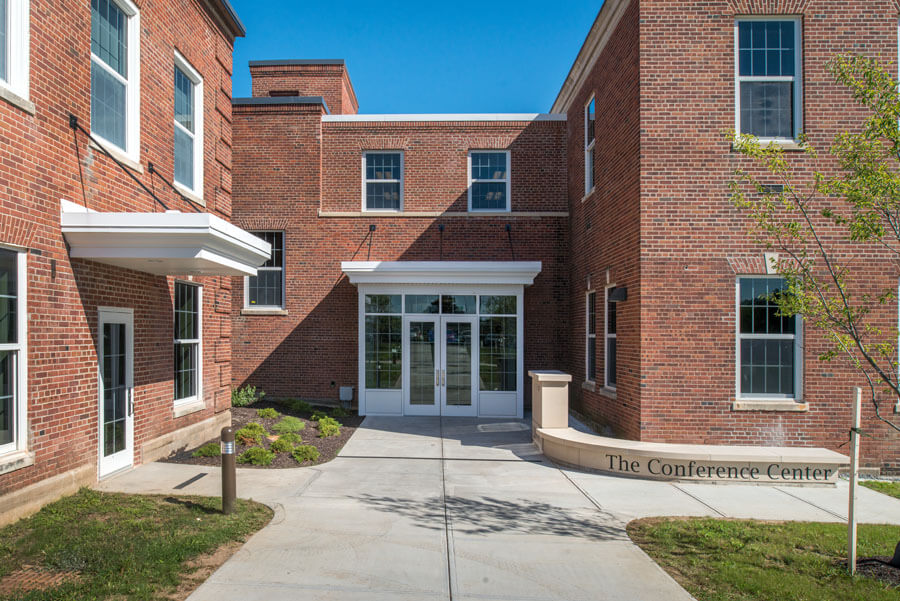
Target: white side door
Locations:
point(115, 354)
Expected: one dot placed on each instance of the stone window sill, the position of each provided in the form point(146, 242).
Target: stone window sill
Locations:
point(264, 312)
point(16, 100)
point(189, 194)
point(784, 406)
point(187, 408)
point(588, 385)
point(120, 156)
point(15, 461)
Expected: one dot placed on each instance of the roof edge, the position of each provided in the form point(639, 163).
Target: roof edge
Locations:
point(228, 16)
point(606, 22)
point(297, 61)
point(280, 100)
point(424, 117)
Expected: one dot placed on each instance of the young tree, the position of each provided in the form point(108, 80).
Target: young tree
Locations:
point(824, 228)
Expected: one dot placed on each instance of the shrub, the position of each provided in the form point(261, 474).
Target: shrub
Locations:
point(305, 452)
point(210, 449)
point(267, 413)
point(291, 437)
point(241, 397)
point(328, 427)
point(281, 446)
point(250, 434)
point(289, 423)
point(298, 405)
point(339, 412)
point(317, 415)
point(256, 456)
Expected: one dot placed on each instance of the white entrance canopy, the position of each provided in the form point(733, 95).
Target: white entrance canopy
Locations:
point(170, 243)
point(521, 273)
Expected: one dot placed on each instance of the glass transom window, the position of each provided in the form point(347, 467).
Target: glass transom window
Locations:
point(489, 180)
point(768, 68)
point(768, 346)
point(266, 288)
point(383, 181)
point(110, 77)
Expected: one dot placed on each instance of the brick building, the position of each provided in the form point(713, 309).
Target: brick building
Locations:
point(116, 250)
point(608, 221)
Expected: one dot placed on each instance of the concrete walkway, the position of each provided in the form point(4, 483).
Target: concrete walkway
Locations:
point(456, 508)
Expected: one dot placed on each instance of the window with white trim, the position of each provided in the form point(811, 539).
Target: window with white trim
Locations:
point(265, 290)
point(14, 46)
point(589, 115)
point(115, 51)
point(383, 181)
point(489, 180)
point(12, 350)
point(188, 127)
point(188, 328)
point(590, 342)
point(768, 77)
point(768, 346)
point(610, 341)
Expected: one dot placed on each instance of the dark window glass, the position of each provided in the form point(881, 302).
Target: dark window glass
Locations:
point(458, 304)
point(766, 49)
point(266, 288)
point(383, 175)
point(611, 361)
point(4, 41)
point(767, 109)
point(423, 303)
point(489, 165)
point(767, 345)
point(610, 317)
point(109, 35)
point(114, 388)
point(383, 303)
point(488, 196)
point(498, 354)
point(7, 396)
point(8, 293)
point(591, 350)
point(498, 305)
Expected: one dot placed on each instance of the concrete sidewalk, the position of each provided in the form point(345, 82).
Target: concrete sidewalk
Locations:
point(417, 508)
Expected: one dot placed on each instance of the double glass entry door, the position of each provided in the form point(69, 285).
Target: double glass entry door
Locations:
point(439, 373)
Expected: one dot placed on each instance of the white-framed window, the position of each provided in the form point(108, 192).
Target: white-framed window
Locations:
point(768, 77)
point(188, 342)
point(609, 335)
point(265, 290)
point(589, 119)
point(13, 355)
point(14, 46)
point(769, 355)
point(115, 74)
point(382, 180)
point(489, 182)
point(188, 124)
point(590, 337)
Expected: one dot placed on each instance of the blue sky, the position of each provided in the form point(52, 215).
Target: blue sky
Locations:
point(495, 56)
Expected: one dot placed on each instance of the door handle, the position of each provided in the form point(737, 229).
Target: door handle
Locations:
point(444, 377)
point(437, 377)
point(130, 393)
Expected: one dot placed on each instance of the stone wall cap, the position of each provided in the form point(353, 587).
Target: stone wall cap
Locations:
point(550, 375)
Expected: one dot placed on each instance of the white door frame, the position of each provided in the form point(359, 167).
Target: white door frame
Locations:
point(470, 410)
point(408, 407)
point(124, 458)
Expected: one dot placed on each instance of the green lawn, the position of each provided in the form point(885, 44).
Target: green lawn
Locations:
point(738, 560)
point(124, 546)
point(888, 488)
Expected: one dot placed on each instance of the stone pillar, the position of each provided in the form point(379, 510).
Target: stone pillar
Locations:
point(549, 400)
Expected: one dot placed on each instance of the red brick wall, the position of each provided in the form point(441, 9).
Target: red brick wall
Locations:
point(604, 228)
point(39, 166)
point(692, 235)
point(330, 81)
point(277, 186)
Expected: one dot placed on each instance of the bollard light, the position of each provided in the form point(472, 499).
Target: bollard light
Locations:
point(229, 475)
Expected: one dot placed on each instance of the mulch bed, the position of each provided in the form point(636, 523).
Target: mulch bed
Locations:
point(880, 568)
point(241, 416)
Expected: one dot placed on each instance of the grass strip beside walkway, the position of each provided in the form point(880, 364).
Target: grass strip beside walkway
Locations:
point(741, 560)
point(116, 546)
point(889, 488)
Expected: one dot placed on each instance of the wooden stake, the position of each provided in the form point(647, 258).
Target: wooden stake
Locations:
point(854, 465)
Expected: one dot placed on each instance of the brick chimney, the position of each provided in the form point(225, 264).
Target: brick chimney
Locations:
point(327, 78)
